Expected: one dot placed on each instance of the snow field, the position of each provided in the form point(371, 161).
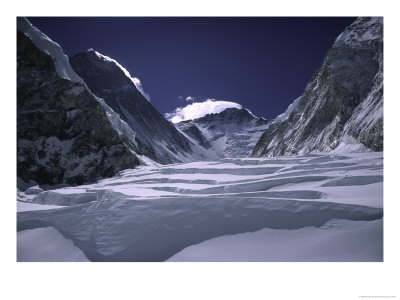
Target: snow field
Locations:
point(336, 240)
point(154, 212)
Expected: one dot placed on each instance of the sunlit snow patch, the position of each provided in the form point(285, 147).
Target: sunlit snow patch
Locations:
point(197, 110)
point(336, 240)
point(46, 244)
point(153, 212)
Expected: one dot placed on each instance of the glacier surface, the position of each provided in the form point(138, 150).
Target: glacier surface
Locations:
point(153, 213)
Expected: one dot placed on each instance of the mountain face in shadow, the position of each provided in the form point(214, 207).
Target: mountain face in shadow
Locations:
point(342, 105)
point(64, 134)
point(157, 138)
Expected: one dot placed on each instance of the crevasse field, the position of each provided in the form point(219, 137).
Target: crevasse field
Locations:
point(304, 208)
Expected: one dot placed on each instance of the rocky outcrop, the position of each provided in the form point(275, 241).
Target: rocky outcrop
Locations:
point(156, 137)
point(342, 103)
point(64, 133)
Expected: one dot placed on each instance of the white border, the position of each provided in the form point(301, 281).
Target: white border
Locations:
point(198, 280)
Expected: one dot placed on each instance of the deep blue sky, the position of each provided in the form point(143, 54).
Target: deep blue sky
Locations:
point(261, 63)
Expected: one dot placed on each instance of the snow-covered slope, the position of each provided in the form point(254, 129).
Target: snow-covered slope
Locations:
point(337, 240)
point(342, 104)
point(230, 133)
point(152, 213)
point(47, 244)
point(65, 133)
point(156, 137)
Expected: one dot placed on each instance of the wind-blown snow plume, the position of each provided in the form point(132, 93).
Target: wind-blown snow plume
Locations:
point(139, 86)
point(197, 110)
point(136, 81)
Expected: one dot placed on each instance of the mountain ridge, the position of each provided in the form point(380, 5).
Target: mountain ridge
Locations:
point(84, 118)
point(342, 103)
point(156, 137)
point(65, 135)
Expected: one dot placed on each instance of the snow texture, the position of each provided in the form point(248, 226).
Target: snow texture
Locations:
point(153, 212)
point(46, 244)
point(232, 132)
point(336, 240)
point(26, 206)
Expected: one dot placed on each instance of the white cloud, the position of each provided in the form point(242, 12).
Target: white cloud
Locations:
point(136, 81)
point(190, 98)
point(197, 110)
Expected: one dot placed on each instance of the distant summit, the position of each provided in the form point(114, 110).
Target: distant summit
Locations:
point(197, 110)
point(233, 132)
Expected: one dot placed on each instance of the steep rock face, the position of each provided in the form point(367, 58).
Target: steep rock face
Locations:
point(342, 103)
point(230, 133)
point(156, 137)
point(64, 134)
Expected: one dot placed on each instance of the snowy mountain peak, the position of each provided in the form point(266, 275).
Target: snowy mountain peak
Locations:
point(198, 110)
point(232, 132)
point(231, 114)
point(108, 64)
point(157, 138)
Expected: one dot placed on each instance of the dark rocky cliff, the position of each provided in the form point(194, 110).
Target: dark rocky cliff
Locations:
point(156, 137)
point(342, 103)
point(63, 133)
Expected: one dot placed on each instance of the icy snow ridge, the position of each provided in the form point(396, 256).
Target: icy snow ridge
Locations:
point(136, 81)
point(152, 213)
point(155, 137)
point(64, 70)
point(44, 43)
